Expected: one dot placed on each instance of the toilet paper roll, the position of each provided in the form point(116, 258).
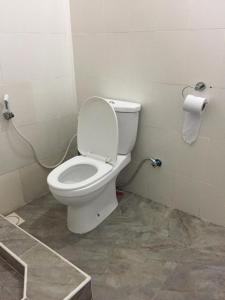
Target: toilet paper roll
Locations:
point(193, 107)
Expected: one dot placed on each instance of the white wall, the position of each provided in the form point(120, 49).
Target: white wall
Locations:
point(147, 51)
point(36, 70)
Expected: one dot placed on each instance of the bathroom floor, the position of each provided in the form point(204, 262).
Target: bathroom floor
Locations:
point(143, 251)
point(11, 282)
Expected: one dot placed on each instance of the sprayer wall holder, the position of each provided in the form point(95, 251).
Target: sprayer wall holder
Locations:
point(8, 115)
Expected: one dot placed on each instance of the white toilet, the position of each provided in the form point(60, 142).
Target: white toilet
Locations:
point(107, 131)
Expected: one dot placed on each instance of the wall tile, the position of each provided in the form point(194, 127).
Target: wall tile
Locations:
point(171, 15)
point(206, 14)
point(11, 196)
point(87, 16)
point(205, 61)
point(34, 182)
point(13, 151)
point(164, 107)
point(94, 64)
point(35, 60)
point(169, 57)
point(187, 194)
point(213, 117)
point(143, 15)
point(215, 164)
point(191, 160)
point(160, 186)
point(117, 15)
point(67, 127)
point(31, 16)
point(36, 70)
point(212, 204)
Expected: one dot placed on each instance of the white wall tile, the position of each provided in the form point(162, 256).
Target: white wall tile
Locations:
point(67, 127)
point(213, 117)
point(169, 57)
point(160, 186)
point(87, 16)
point(205, 59)
point(117, 15)
point(164, 107)
point(191, 160)
point(213, 204)
point(139, 185)
point(171, 15)
point(31, 16)
point(215, 164)
point(34, 182)
point(40, 56)
point(187, 194)
point(13, 151)
point(11, 195)
point(53, 98)
point(44, 137)
point(95, 64)
point(142, 15)
point(206, 14)
point(36, 70)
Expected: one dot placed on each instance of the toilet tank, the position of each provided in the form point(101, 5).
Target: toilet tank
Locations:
point(128, 116)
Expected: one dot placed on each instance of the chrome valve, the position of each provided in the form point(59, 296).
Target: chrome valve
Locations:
point(156, 163)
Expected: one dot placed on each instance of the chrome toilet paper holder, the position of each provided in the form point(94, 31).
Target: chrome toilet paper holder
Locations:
point(200, 87)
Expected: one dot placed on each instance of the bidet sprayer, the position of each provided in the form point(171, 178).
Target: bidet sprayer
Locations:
point(7, 114)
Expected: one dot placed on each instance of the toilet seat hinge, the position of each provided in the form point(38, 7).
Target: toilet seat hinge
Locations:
point(108, 160)
point(99, 157)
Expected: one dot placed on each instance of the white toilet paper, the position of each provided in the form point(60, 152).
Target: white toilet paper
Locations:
point(193, 107)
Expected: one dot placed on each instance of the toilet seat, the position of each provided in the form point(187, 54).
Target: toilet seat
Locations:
point(97, 141)
point(77, 173)
point(98, 132)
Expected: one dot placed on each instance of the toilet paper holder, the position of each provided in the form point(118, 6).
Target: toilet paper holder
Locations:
point(200, 87)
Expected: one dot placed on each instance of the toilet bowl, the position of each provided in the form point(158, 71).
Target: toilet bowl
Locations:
point(87, 183)
point(87, 187)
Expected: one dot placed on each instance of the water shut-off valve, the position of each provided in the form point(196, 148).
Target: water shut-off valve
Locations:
point(155, 162)
point(7, 114)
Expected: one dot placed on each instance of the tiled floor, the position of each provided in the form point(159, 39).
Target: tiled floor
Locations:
point(11, 283)
point(143, 251)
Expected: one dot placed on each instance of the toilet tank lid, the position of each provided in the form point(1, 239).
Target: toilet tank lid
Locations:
point(124, 106)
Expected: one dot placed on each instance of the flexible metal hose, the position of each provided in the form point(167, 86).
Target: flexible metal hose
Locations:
point(35, 153)
point(135, 173)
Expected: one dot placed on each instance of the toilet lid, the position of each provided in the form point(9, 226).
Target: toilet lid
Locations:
point(98, 133)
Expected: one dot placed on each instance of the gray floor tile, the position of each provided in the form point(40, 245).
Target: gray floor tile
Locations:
point(143, 251)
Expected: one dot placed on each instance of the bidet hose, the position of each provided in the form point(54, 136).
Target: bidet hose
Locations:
point(35, 153)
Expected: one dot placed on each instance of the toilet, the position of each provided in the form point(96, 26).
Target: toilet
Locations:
point(86, 184)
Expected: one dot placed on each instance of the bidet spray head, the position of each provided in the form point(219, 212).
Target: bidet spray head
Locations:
point(6, 101)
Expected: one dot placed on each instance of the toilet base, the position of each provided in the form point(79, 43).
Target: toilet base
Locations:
point(82, 219)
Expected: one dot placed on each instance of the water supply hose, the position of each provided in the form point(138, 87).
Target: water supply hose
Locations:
point(156, 163)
